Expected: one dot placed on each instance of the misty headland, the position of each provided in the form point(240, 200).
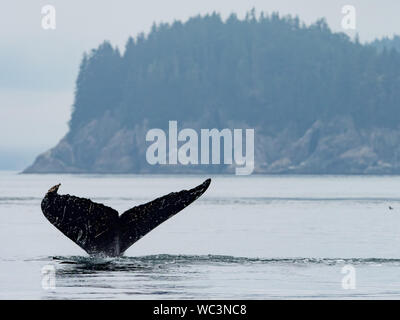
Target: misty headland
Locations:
point(319, 102)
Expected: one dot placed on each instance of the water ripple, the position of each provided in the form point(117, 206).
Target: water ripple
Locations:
point(96, 263)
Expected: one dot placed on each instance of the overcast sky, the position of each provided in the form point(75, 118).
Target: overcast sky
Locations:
point(38, 67)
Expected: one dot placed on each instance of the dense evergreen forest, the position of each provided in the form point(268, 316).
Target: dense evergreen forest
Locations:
point(387, 43)
point(266, 72)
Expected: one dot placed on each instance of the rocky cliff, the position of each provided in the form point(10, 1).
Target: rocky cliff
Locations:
point(334, 147)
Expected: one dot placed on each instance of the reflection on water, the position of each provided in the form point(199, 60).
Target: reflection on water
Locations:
point(163, 261)
point(214, 277)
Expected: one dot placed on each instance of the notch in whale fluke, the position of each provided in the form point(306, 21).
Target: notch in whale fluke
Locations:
point(99, 229)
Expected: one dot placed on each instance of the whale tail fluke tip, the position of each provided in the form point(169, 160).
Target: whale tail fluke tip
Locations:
point(207, 182)
point(54, 189)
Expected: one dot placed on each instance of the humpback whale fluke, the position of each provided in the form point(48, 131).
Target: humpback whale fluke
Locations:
point(99, 229)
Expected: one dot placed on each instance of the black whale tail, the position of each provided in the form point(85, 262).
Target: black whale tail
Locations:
point(140, 220)
point(99, 229)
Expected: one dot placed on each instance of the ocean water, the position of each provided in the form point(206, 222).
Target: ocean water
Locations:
point(258, 237)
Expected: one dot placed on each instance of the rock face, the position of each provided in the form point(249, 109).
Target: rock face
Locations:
point(338, 147)
point(327, 147)
point(335, 147)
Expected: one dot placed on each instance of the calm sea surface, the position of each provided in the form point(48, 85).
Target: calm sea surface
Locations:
point(258, 237)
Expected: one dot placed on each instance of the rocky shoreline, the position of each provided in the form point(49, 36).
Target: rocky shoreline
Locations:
point(327, 147)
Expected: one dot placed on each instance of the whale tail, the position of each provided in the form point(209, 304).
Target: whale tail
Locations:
point(99, 229)
point(140, 220)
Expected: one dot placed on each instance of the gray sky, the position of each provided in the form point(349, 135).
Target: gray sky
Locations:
point(38, 67)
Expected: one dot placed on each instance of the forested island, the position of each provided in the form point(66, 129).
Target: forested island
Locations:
point(319, 102)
